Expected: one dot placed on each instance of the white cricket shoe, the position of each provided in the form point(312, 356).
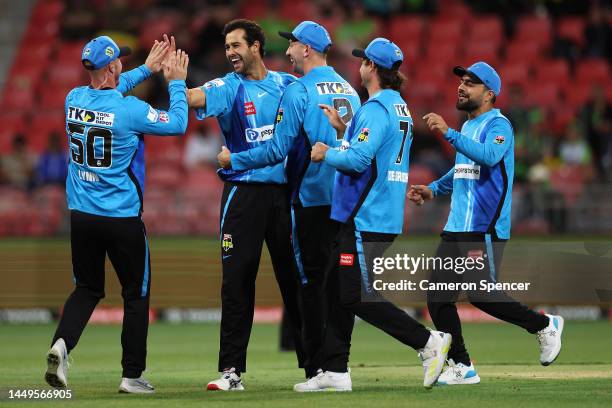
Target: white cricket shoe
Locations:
point(135, 386)
point(434, 355)
point(229, 381)
point(326, 381)
point(458, 374)
point(57, 365)
point(550, 340)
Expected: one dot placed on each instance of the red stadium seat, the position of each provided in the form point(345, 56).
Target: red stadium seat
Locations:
point(486, 27)
point(514, 73)
point(46, 11)
point(487, 51)
point(254, 9)
point(16, 98)
point(69, 53)
point(444, 53)
point(572, 28)
point(405, 27)
point(577, 94)
point(523, 51)
point(67, 74)
point(592, 71)
point(543, 95)
point(445, 31)
point(53, 97)
point(534, 29)
point(553, 70)
point(297, 10)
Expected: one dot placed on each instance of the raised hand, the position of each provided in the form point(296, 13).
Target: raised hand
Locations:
point(176, 66)
point(157, 55)
point(436, 123)
point(334, 117)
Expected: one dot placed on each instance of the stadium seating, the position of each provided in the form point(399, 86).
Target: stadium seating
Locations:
point(45, 67)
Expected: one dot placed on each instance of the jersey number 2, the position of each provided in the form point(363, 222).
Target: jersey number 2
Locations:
point(79, 152)
point(340, 103)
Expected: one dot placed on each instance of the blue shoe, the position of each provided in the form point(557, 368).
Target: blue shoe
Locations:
point(550, 340)
point(458, 374)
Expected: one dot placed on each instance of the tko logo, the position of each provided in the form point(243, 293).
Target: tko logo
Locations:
point(342, 88)
point(346, 259)
point(402, 110)
point(94, 117)
point(249, 108)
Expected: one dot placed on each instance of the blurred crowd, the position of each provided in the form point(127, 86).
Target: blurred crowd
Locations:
point(550, 153)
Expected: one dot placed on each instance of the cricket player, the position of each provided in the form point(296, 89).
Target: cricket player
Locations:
point(104, 190)
point(300, 124)
point(368, 202)
point(479, 221)
point(254, 205)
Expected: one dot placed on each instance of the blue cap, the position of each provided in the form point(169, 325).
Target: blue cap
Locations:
point(101, 51)
point(383, 52)
point(309, 33)
point(482, 72)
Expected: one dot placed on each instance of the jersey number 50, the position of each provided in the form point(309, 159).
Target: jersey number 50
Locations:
point(81, 153)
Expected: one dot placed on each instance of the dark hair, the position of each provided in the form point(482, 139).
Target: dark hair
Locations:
point(253, 32)
point(390, 78)
point(493, 99)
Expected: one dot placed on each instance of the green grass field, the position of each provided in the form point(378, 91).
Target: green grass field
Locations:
point(182, 359)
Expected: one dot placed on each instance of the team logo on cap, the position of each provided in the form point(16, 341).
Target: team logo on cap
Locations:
point(109, 52)
point(363, 136)
point(87, 52)
point(227, 243)
point(500, 139)
point(398, 53)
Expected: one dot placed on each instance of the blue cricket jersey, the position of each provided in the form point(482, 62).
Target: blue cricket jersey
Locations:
point(300, 124)
point(105, 130)
point(481, 181)
point(246, 111)
point(372, 176)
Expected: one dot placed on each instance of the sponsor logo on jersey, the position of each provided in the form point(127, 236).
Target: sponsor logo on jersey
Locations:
point(249, 108)
point(347, 259)
point(397, 176)
point(152, 115)
point(214, 82)
point(279, 115)
point(163, 117)
point(499, 139)
point(344, 145)
point(259, 134)
point(467, 171)
point(363, 135)
point(402, 110)
point(227, 243)
point(91, 117)
point(335, 88)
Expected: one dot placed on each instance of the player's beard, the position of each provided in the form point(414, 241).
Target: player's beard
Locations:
point(469, 105)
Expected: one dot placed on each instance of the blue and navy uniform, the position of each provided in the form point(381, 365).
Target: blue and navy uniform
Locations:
point(300, 124)
point(104, 188)
point(105, 130)
point(369, 198)
point(246, 111)
point(481, 181)
point(254, 209)
point(478, 225)
point(372, 165)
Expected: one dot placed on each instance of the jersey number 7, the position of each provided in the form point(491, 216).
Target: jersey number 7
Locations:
point(405, 128)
